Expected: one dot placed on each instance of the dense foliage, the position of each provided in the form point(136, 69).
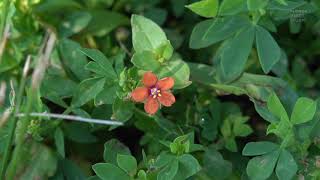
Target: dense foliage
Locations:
point(159, 89)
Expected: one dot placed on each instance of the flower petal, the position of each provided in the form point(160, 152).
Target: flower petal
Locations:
point(139, 94)
point(149, 79)
point(151, 106)
point(166, 98)
point(165, 83)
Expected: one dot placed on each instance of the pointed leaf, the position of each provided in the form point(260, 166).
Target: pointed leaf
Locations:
point(261, 167)
point(107, 171)
point(303, 110)
point(287, 166)
point(102, 61)
point(259, 148)
point(236, 52)
point(128, 163)
point(268, 50)
point(275, 107)
point(146, 35)
point(87, 90)
point(205, 8)
point(232, 7)
point(212, 31)
point(169, 171)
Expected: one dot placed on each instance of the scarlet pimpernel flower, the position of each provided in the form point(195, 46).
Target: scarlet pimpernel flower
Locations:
point(154, 92)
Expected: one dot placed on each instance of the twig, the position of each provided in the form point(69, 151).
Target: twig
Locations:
point(73, 118)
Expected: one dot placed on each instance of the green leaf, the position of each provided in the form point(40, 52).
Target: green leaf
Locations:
point(188, 166)
point(71, 170)
point(282, 2)
point(74, 23)
point(112, 149)
point(72, 59)
point(276, 107)
point(226, 128)
point(232, 7)
point(259, 148)
point(236, 52)
point(281, 129)
point(288, 6)
point(48, 88)
point(180, 145)
point(122, 110)
point(128, 163)
point(303, 110)
point(257, 4)
point(142, 175)
point(268, 50)
point(100, 25)
point(164, 52)
point(287, 167)
point(242, 130)
point(205, 8)
point(146, 35)
point(39, 161)
point(212, 31)
point(157, 15)
point(146, 60)
point(108, 95)
point(52, 6)
point(231, 144)
point(87, 90)
point(104, 64)
point(79, 132)
point(169, 171)
point(215, 166)
point(261, 167)
point(59, 141)
point(177, 69)
point(107, 171)
point(163, 159)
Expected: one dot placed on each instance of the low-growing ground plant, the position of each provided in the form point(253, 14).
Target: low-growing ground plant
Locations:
point(159, 89)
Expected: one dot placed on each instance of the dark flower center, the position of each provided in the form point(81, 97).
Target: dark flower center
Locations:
point(155, 92)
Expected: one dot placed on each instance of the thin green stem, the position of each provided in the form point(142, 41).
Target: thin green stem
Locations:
point(24, 122)
point(4, 17)
point(12, 128)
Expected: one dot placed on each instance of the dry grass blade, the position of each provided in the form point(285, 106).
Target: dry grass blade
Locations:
point(4, 40)
point(5, 117)
point(43, 62)
point(3, 88)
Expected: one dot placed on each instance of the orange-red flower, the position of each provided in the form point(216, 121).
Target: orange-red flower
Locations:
point(154, 92)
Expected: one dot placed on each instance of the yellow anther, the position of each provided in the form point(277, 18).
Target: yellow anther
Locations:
point(159, 94)
point(158, 91)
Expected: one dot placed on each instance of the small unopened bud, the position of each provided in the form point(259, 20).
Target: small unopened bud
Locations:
point(2, 92)
point(26, 66)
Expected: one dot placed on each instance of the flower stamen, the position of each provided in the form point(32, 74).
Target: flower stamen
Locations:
point(155, 92)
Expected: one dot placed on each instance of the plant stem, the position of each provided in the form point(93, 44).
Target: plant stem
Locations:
point(37, 76)
point(20, 137)
point(12, 128)
point(4, 17)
